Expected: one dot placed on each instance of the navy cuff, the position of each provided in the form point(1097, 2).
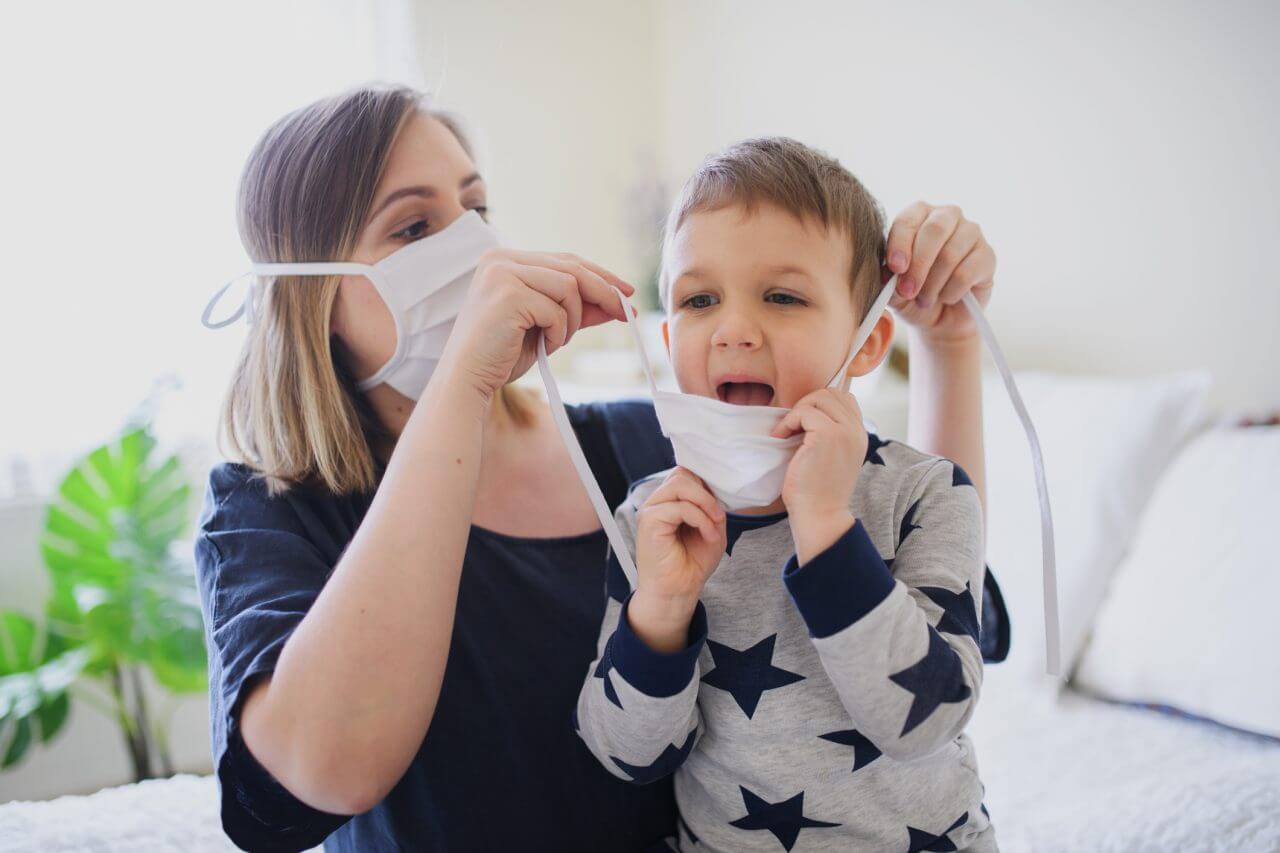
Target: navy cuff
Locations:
point(657, 674)
point(841, 585)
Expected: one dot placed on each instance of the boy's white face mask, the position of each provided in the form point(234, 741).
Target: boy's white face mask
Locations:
point(424, 285)
point(731, 449)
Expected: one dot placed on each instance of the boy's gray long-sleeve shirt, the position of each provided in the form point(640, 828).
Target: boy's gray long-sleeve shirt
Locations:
point(816, 707)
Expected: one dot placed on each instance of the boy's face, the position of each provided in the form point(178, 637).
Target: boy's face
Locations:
point(760, 311)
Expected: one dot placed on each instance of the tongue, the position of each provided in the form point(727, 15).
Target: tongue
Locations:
point(747, 393)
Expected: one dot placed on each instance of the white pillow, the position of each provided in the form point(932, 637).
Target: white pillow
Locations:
point(1105, 443)
point(1191, 617)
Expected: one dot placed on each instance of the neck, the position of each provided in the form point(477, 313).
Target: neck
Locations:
point(772, 509)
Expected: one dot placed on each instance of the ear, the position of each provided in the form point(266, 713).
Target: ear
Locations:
point(666, 337)
point(874, 349)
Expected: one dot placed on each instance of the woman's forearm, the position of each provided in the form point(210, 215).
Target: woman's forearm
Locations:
point(945, 404)
point(356, 685)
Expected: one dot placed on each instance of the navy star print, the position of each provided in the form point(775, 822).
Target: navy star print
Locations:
point(908, 524)
point(959, 477)
point(736, 525)
point(664, 765)
point(935, 678)
point(922, 840)
point(874, 443)
point(864, 751)
point(784, 819)
point(602, 671)
point(959, 611)
point(748, 674)
point(615, 580)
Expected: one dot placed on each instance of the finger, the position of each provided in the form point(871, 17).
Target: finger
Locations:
point(964, 279)
point(594, 289)
point(976, 269)
point(932, 236)
point(559, 286)
point(615, 280)
point(542, 315)
point(840, 406)
point(962, 241)
point(686, 487)
point(801, 419)
point(676, 514)
point(902, 239)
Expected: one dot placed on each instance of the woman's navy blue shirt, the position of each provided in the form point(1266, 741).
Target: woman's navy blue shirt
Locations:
point(500, 767)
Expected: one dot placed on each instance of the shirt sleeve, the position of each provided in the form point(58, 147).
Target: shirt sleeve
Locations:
point(259, 574)
point(637, 711)
point(899, 638)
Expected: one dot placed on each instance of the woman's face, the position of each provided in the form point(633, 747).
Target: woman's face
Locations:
point(430, 181)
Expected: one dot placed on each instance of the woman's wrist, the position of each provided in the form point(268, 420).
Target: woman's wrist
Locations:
point(943, 342)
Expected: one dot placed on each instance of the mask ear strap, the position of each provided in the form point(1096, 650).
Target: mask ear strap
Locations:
point(579, 460)
point(311, 268)
point(216, 298)
point(865, 329)
point(1053, 660)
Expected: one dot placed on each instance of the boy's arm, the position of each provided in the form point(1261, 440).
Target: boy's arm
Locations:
point(899, 640)
point(637, 711)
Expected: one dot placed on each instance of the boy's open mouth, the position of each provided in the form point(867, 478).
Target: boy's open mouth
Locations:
point(745, 393)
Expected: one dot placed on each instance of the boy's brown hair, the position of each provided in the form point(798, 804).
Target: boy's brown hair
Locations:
point(804, 182)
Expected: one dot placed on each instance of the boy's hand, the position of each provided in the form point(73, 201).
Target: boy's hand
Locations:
point(824, 472)
point(939, 256)
point(680, 539)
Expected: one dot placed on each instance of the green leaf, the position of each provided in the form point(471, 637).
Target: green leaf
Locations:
point(18, 744)
point(34, 677)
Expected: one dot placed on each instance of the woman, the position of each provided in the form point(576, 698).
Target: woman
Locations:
point(401, 596)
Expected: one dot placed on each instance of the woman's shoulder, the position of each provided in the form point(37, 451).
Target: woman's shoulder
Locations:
point(238, 500)
point(633, 432)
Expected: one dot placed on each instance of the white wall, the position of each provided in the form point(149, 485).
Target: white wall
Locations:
point(1121, 157)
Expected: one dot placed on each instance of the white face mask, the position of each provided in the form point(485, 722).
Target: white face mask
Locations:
point(730, 448)
point(424, 285)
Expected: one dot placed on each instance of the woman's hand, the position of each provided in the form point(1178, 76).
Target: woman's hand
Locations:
point(939, 256)
point(515, 297)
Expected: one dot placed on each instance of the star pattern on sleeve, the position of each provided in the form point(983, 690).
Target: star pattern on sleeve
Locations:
point(908, 524)
point(664, 765)
point(784, 819)
point(922, 840)
point(959, 477)
point(874, 444)
point(864, 751)
point(746, 675)
point(602, 671)
point(959, 611)
point(934, 679)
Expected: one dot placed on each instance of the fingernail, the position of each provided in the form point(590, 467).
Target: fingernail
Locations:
point(907, 288)
point(898, 261)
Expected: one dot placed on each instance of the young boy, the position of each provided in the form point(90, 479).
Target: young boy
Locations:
point(805, 668)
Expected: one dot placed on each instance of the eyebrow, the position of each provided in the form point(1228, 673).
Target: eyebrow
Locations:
point(790, 269)
point(422, 191)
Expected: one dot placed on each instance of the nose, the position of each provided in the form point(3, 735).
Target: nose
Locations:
point(737, 330)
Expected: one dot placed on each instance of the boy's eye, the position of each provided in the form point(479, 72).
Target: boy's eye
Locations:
point(784, 299)
point(699, 301)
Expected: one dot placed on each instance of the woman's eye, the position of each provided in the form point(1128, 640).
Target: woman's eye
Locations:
point(699, 301)
point(483, 210)
point(416, 231)
point(784, 299)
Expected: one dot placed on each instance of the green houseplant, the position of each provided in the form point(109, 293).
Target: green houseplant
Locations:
point(122, 603)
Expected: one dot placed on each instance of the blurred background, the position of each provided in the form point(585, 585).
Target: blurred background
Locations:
point(1120, 158)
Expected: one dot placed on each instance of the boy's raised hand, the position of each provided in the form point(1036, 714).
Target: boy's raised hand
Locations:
point(680, 539)
point(824, 472)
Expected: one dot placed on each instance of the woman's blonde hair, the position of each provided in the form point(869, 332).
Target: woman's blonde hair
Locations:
point(293, 412)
